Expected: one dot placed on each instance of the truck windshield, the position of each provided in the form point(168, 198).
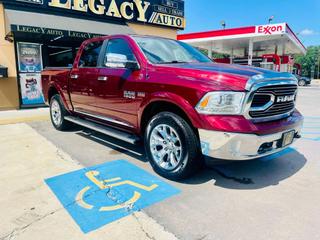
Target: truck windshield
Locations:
point(162, 51)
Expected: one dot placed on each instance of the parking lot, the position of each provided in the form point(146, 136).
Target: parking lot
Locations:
point(276, 197)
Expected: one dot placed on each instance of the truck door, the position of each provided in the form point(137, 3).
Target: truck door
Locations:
point(83, 79)
point(116, 96)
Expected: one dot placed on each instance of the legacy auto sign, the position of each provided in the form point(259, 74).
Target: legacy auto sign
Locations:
point(168, 13)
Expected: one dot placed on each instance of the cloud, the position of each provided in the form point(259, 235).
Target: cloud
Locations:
point(308, 32)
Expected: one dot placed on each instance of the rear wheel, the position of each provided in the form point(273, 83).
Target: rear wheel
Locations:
point(172, 147)
point(57, 113)
point(302, 83)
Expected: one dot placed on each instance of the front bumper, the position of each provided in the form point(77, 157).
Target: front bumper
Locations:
point(238, 146)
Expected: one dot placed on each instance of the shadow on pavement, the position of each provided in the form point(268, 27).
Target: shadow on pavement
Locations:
point(254, 174)
point(115, 144)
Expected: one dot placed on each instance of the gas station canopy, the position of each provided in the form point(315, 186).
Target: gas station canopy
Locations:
point(248, 42)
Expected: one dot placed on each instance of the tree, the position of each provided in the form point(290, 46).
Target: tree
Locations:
point(310, 62)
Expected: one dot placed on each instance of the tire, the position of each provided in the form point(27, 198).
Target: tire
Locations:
point(302, 83)
point(57, 114)
point(172, 147)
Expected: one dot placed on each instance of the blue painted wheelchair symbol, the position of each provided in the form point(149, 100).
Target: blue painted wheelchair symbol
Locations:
point(102, 194)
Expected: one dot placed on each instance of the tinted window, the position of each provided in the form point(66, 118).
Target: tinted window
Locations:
point(118, 53)
point(161, 50)
point(90, 54)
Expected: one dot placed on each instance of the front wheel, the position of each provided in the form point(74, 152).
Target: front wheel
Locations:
point(172, 146)
point(57, 113)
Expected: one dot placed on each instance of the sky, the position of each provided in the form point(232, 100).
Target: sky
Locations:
point(302, 16)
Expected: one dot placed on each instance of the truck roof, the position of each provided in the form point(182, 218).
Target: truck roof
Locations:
point(125, 35)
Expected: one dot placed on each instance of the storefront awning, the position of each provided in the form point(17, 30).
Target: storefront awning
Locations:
point(14, 17)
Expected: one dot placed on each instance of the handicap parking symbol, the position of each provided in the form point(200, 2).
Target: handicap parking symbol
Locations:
point(105, 193)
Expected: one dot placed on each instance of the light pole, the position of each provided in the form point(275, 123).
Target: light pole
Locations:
point(223, 24)
point(271, 19)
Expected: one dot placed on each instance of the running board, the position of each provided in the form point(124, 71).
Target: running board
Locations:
point(124, 136)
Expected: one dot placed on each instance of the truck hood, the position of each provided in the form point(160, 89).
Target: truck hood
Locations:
point(233, 77)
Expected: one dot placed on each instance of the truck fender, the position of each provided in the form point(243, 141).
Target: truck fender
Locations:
point(65, 101)
point(172, 98)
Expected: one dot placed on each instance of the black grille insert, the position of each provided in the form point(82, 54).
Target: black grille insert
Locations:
point(262, 97)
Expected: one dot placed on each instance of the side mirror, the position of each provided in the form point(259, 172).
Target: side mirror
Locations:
point(115, 60)
point(132, 65)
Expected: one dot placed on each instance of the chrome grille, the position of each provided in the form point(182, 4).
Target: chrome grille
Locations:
point(274, 107)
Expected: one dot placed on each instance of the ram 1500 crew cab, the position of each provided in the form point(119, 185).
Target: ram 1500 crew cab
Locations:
point(171, 96)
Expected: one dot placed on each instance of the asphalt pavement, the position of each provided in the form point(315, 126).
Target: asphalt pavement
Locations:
point(271, 198)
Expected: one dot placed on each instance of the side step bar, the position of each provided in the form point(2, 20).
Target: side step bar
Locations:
point(124, 136)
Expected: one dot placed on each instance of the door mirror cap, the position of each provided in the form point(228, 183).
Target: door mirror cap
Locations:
point(132, 65)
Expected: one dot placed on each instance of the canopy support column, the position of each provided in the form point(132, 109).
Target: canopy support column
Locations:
point(250, 52)
point(210, 51)
point(231, 57)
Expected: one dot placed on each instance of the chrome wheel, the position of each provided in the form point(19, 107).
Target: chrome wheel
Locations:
point(165, 147)
point(56, 112)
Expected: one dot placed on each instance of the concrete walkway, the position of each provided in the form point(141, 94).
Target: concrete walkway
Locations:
point(25, 115)
point(30, 210)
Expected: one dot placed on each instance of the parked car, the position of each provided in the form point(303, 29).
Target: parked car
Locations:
point(177, 101)
point(303, 81)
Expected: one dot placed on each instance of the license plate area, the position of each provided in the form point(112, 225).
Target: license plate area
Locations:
point(287, 138)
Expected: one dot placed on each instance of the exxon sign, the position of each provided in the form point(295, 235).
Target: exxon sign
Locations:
point(271, 29)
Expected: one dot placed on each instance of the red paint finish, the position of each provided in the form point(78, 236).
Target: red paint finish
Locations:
point(218, 33)
point(180, 84)
point(239, 124)
point(82, 89)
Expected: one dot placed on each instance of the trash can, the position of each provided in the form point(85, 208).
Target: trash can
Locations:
point(3, 72)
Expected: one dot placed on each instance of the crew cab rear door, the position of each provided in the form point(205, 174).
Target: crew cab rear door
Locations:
point(116, 92)
point(83, 79)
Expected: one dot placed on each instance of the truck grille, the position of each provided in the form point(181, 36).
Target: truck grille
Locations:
point(282, 98)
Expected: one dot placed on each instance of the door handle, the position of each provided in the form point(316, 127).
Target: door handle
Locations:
point(102, 78)
point(74, 76)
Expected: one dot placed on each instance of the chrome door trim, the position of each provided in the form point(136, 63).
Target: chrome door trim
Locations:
point(107, 119)
point(102, 78)
point(74, 76)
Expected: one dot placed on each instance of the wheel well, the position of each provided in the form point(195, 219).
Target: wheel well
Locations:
point(52, 91)
point(162, 106)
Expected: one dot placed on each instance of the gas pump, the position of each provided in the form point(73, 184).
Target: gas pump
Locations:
point(271, 62)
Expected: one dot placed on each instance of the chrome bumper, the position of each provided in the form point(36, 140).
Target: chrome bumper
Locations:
point(237, 146)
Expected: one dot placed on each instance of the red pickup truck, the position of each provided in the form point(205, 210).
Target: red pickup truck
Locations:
point(171, 96)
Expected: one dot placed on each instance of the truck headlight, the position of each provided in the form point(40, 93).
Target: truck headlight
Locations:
point(224, 103)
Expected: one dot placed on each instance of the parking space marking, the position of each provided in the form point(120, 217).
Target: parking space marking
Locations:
point(311, 128)
point(102, 194)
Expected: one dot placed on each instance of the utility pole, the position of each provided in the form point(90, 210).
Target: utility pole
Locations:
point(318, 65)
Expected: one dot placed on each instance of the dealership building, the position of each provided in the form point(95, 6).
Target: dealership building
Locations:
point(35, 34)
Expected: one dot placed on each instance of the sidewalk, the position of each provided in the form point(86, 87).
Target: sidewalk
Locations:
point(24, 115)
point(315, 82)
point(31, 211)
